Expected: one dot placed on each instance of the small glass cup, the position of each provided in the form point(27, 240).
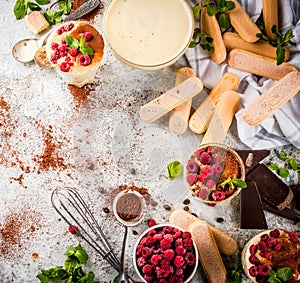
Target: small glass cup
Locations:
point(148, 34)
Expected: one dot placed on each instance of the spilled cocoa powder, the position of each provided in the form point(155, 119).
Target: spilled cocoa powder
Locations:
point(17, 231)
point(80, 95)
point(90, 16)
point(143, 191)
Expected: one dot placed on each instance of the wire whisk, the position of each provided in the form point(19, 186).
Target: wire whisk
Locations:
point(72, 208)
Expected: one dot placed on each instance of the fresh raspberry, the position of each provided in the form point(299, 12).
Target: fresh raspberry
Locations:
point(167, 229)
point(293, 237)
point(178, 242)
point(63, 47)
point(187, 243)
point(165, 244)
point(228, 192)
point(275, 233)
point(176, 233)
point(73, 229)
point(191, 179)
point(84, 60)
point(192, 166)
point(201, 177)
point(202, 193)
point(198, 152)
point(73, 52)
point(148, 278)
point(178, 271)
point(190, 259)
point(146, 252)
point(141, 261)
point(139, 249)
point(157, 237)
point(147, 269)
point(68, 26)
point(218, 168)
point(264, 269)
point(54, 56)
point(253, 249)
point(254, 260)
point(151, 222)
point(65, 67)
point(151, 233)
point(212, 204)
point(277, 247)
point(208, 170)
point(160, 272)
point(60, 31)
point(175, 279)
point(210, 183)
point(264, 237)
point(169, 254)
point(54, 46)
point(209, 149)
point(180, 250)
point(271, 242)
point(205, 158)
point(165, 264)
point(162, 280)
point(68, 59)
point(149, 241)
point(218, 195)
point(143, 241)
point(155, 259)
point(169, 237)
point(265, 255)
point(262, 246)
point(87, 36)
point(179, 261)
point(253, 271)
point(215, 158)
point(186, 234)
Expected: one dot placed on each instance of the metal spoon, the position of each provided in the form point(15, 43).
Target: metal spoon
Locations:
point(123, 207)
point(24, 50)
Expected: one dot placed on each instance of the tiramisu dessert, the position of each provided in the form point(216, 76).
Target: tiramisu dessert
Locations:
point(273, 255)
point(215, 173)
point(75, 50)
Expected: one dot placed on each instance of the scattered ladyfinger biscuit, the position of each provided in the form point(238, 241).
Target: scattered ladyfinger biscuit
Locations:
point(258, 65)
point(270, 16)
point(222, 117)
point(179, 116)
point(163, 104)
point(266, 104)
point(242, 23)
point(201, 117)
point(264, 48)
point(212, 28)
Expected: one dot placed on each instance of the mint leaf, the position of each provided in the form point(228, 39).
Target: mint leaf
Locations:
point(212, 9)
point(196, 12)
point(282, 156)
point(280, 54)
point(88, 278)
point(20, 9)
point(174, 169)
point(285, 273)
point(52, 16)
point(262, 36)
point(283, 172)
point(53, 274)
point(70, 263)
point(293, 164)
point(224, 21)
point(273, 166)
point(70, 251)
point(239, 183)
point(42, 2)
point(234, 275)
point(227, 181)
point(65, 6)
point(85, 49)
point(230, 5)
point(33, 6)
point(72, 42)
point(81, 254)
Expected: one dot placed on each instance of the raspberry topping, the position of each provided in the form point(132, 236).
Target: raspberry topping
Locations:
point(192, 179)
point(210, 183)
point(293, 237)
point(72, 229)
point(73, 52)
point(87, 36)
point(68, 26)
point(65, 67)
point(169, 254)
point(84, 60)
point(275, 233)
point(151, 222)
point(205, 158)
point(192, 167)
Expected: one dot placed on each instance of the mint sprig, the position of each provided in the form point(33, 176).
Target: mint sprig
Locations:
point(282, 275)
point(72, 270)
point(279, 42)
point(235, 182)
point(235, 275)
point(21, 7)
point(174, 169)
point(202, 39)
point(53, 16)
point(75, 44)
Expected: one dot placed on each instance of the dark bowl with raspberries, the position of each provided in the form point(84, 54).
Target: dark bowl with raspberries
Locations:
point(165, 253)
point(272, 256)
point(215, 173)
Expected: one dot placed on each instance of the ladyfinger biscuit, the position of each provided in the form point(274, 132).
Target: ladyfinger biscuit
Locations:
point(201, 117)
point(183, 219)
point(233, 40)
point(179, 116)
point(243, 24)
point(270, 16)
point(211, 27)
point(222, 118)
point(209, 255)
point(266, 104)
point(258, 65)
point(170, 99)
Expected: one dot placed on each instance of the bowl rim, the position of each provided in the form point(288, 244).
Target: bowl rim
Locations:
point(242, 168)
point(152, 66)
point(153, 228)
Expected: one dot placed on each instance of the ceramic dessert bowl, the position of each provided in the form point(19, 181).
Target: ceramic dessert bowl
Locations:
point(75, 50)
point(165, 252)
point(215, 173)
point(274, 252)
point(143, 35)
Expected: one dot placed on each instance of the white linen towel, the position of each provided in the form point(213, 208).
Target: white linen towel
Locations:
point(281, 128)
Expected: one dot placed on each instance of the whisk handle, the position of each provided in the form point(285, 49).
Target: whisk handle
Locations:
point(123, 276)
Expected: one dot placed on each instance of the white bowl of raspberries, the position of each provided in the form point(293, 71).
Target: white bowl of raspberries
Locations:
point(272, 256)
point(215, 173)
point(165, 253)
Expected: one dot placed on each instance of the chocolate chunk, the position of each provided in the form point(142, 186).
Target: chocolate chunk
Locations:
point(272, 190)
point(251, 211)
point(252, 157)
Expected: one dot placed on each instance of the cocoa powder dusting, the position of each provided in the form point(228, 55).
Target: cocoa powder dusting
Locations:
point(143, 191)
point(80, 95)
point(16, 232)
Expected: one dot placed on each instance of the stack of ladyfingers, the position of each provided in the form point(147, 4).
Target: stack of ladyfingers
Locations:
point(210, 243)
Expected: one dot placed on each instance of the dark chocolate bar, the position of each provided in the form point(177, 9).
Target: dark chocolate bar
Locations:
point(251, 212)
point(252, 157)
point(272, 190)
